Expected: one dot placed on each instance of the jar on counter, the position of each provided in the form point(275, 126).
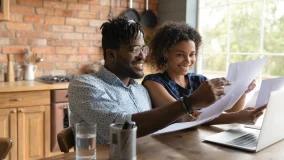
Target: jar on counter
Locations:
point(19, 73)
point(2, 73)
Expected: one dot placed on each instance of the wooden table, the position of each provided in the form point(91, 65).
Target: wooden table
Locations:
point(187, 144)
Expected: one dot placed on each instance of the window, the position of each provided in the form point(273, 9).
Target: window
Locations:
point(239, 30)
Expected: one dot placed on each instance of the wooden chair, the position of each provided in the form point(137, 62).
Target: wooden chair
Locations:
point(66, 140)
point(5, 147)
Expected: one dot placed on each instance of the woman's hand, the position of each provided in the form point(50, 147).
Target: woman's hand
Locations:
point(249, 115)
point(251, 86)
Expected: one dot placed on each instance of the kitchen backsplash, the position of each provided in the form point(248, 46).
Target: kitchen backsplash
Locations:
point(65, 33)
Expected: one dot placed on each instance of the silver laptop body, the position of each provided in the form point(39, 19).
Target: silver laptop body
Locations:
point(253, 139)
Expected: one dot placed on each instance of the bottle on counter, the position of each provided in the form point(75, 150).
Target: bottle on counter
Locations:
point(2, 73)
point(19, 73)
point(10, 68)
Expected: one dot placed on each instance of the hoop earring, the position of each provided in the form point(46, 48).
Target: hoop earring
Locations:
point(165, 59)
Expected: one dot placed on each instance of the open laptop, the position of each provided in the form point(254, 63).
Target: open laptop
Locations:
point(253, 139)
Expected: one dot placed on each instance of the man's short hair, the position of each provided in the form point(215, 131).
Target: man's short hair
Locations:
point(119, 31)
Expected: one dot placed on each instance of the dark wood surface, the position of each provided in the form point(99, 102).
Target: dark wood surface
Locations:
point(187, 144)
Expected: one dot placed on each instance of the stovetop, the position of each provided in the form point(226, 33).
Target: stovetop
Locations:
point(56, 79)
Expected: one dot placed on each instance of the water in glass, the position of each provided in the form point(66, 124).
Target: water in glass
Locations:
point(86, 146)
point(85, 141)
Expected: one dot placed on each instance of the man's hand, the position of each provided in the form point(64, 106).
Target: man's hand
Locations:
point(208, 92)
point(251, 86)
point(249, 115)
point(191, 117)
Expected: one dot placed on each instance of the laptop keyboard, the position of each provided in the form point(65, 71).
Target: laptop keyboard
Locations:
point(248, 140)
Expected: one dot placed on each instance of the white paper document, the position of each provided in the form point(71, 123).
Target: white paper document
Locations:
point(262, 96)
point(241, 74)
point(241, 77)
point(268, 86)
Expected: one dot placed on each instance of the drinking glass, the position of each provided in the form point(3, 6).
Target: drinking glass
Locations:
point(86, 141)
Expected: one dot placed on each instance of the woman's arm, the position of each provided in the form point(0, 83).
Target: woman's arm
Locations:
point(239, 105)
point(245, 116)
point(241, 102)
point(159, 95)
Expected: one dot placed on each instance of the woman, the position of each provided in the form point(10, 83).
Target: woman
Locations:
point(174, 49)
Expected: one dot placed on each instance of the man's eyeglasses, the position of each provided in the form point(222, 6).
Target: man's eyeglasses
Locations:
point(137, 50)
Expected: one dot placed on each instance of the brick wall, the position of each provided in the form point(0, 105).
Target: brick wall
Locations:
point(66, 33)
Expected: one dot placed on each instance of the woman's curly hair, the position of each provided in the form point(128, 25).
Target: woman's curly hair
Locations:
point(169, 34)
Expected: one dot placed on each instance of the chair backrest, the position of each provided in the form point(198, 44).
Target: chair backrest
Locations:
point(5, 147)
point(66, 140)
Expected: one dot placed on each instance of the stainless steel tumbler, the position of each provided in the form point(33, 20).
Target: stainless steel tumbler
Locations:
point(122, 142)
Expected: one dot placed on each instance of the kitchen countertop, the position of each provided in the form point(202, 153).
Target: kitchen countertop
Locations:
point(19, 86)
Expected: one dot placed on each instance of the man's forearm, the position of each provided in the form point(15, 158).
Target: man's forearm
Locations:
point(158, 118)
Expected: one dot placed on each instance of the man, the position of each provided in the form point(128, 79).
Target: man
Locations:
point(113, 96)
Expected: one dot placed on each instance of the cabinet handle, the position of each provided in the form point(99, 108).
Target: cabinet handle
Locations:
point(13, 111)
point(20, 110)
point(16, 99)
point(64, 107)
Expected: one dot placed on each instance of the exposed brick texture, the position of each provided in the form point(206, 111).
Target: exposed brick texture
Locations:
point(65, 33)
point(42, 27)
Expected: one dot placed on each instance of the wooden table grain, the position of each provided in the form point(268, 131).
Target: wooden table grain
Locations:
point(187, 144)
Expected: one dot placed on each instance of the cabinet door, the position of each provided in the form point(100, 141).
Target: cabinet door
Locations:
point(8, 128)
point(33, 132)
